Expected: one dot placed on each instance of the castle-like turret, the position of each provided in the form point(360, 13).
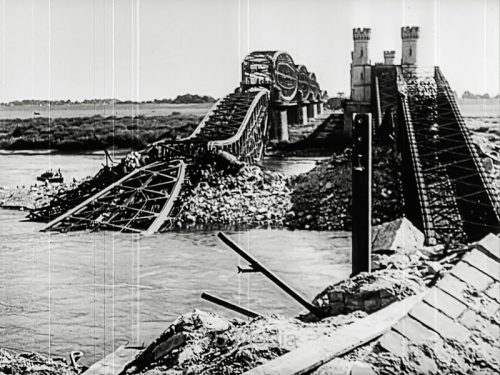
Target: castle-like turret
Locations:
point(361, 53)
point(389, 57)
point(409, 36)
point(361, 76)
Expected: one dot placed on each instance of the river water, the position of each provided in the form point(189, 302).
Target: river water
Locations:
point(94, 291)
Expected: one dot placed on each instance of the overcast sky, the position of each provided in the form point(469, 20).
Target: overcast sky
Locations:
point(146, 49)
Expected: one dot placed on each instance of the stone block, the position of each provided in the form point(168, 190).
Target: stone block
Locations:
point(399, 236)
point(361, 368)
point(491, 244)
point(395, 343)
point(447, 304)
point(494, 292)
point(472, 276)
point(337, 366)
point(488, 331)
point(484, 263)
point(440, 323)
point(372, 304)
point(415, 331)
point(335, 296)
point(453, 286)
point(354, 302)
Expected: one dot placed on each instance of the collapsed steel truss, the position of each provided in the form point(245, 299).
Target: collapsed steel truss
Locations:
point(139, 202)
point(145, 198)
point(446, 189)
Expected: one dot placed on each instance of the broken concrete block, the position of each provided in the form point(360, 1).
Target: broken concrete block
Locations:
point(397, 236)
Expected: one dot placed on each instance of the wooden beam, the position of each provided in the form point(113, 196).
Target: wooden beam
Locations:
point(313, 354)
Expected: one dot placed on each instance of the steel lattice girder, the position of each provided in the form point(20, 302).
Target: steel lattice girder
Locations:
point(456, 195)
point(140, 202)
point(437, 194)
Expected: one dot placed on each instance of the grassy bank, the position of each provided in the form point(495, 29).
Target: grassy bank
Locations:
point(93, 133)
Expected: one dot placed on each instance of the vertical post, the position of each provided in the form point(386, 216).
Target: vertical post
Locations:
point(361, 192)
point(303, 108)
point(283, 125)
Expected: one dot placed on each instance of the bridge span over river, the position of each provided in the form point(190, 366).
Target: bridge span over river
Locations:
point(446, 192)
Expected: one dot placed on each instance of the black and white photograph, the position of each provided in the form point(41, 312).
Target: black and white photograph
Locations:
point(258, 187)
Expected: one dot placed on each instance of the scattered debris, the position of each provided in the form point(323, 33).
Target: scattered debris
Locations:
point(15, 363)
point(252, 196)
point(322, 197)
point(217, 346)
point(368, 292)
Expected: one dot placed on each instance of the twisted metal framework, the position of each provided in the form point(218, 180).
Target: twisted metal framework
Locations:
point(144, 199)
point(140, 202)
point(446, 190)
point(274, 70)
point(386, 90)
point(68, 199)
point(477, 203)
point(236, 123)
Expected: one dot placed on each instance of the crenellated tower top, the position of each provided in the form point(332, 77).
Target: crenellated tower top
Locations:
point(409, 38)
point(361, 33)
point(389, 57)
point(410, 32)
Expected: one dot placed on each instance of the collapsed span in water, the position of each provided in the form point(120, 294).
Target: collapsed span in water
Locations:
point(141, 194)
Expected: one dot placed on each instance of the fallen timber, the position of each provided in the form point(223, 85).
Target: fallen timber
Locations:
point(229, 305)
point(257, 266)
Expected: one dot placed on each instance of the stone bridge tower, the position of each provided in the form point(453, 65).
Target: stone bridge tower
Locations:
point(409, 36)
point(361, 66)
point(389, 57)
point(361, 78)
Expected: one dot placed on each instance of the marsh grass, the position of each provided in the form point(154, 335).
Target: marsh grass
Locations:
point(93, 133)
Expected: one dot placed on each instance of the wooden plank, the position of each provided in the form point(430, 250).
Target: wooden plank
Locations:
point(114, 363)
point(313, 354)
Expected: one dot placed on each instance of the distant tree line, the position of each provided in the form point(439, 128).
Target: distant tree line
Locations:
point(468, 95)
point(180, 99)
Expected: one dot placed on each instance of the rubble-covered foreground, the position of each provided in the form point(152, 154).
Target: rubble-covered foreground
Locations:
point(213, 345)
point(204, 343)
point(32, 364)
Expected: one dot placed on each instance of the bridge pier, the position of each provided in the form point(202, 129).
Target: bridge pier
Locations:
point(283, 125)
point(303, 114)
point(278, 131)
point(293, 115)
point(312, 111)
point(319, 108)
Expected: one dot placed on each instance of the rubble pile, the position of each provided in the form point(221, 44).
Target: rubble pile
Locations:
point(208, 344)
point(32, 363)
point(488, 148)
point(368, 292)
point(34, 196)
point(322, 197)
point(252, 196)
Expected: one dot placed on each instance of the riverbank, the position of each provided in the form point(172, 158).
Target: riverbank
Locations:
point(93, 132)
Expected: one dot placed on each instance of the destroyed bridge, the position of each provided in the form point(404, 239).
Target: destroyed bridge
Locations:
point(446, 192)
